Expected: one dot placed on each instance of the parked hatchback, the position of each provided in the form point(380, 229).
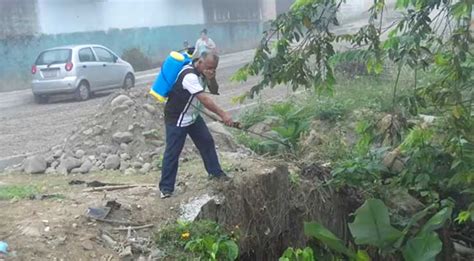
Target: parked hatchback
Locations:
point(80, 70)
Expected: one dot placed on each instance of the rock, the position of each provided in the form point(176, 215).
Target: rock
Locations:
point(88, 132)
point(87, 245)
point(153, 134)
point(49, 160)
point(54, 164)
point(149, 108)
point(86, 167)
point(79, 154)
point(35, 164)
point(57, 153)
point(103, 156)
point(91, 158)
point(120, 109)
point(98, 163)
point(130, 171)
point(156, 254)
point(124, 146)
point(262, 127)
point(126, 253)
point(145, 168)
point(125, 156)
point(400, 200)
point(121, 100)
point(122, 137)
point(124, 165)
point(112, 162)
point(99, 130)
point(69, 164)
point(50, 170)
point(137, 165)
point(104, 149)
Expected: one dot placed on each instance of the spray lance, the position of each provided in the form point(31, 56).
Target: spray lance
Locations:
point(238, 126)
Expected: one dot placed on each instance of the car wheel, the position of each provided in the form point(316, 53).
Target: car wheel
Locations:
point(129, 81)
point(41, 99)
point(82, 92)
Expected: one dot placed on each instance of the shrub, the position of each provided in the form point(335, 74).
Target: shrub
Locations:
point(137, 59)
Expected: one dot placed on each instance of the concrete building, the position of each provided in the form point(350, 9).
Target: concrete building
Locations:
point(153, 26)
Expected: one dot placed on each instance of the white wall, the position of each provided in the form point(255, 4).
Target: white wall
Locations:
point(66, 16)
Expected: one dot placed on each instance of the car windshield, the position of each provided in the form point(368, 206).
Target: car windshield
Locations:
point(54, 56)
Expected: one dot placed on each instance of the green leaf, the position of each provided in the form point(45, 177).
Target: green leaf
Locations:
point(372, 225)
point(362, 255)
point(422, 248)
point(327, 237)
point(437, 221)
point(231, 249)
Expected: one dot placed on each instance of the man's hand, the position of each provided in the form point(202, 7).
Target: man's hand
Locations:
point(227, 119)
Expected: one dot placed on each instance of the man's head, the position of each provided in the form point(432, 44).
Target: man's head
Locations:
point(207, 62)
point(204, 34)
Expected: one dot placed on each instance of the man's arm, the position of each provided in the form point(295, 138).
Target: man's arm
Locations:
point(207, 101)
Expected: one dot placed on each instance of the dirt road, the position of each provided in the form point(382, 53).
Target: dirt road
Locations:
point(28, 127)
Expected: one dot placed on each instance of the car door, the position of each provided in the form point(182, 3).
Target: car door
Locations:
point(89, 68)
point(111, 71)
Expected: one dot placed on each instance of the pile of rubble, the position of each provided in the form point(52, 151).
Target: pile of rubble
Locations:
point(127, 135)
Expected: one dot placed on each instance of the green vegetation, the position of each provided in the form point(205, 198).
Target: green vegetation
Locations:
point(200, 239)
point(137, 59)
point(17, 192)
point(425, 66)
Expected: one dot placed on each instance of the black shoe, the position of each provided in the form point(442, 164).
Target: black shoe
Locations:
point(221, 177)
point(165, 195)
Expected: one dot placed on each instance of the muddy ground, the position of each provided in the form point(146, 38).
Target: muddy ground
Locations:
point(58, 229)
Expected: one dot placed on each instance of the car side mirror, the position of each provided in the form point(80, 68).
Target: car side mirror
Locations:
point(115, 59)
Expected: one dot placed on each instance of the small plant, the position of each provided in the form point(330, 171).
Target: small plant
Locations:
point(17, 192)
point(295, 178)
point(203, 239)
point(298, 255)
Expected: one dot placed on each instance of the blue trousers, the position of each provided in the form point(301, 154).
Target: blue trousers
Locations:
point(175, 138)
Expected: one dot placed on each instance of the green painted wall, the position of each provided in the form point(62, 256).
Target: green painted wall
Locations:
point(18, 53)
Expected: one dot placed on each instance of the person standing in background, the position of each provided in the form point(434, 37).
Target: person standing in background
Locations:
point(204, 44)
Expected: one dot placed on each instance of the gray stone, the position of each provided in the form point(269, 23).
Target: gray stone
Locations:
point(50, 170)
point(69, 164)
point(88, 132)
point(149, 108)
point(125, 156)
point(124, 146)
point(146, 168)
point(99, 129)
point(55, 164)
point(137, 165)
point(91, 158)
point(104, 149)
point(130, 171)
point(35, 164)
point(103, 156)
point(121, 100)
point(153, 134)
point(122, 137)
point(120, 109)
point(112, 162)
point(49, 160)
point(98, 163)
point(57, 153)
point(79, 154)
point(86, 167)
point(124, 165)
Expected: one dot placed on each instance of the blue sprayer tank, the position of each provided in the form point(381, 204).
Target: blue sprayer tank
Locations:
point(168, 75)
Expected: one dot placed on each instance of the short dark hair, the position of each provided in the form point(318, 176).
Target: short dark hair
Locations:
point(204, 31)
point(214, 56)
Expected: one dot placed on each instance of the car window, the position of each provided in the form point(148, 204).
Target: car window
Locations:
point(104, 55)
point(86, 55)
point(54, 57)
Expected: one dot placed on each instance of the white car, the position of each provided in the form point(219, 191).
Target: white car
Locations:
point(80, 70)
